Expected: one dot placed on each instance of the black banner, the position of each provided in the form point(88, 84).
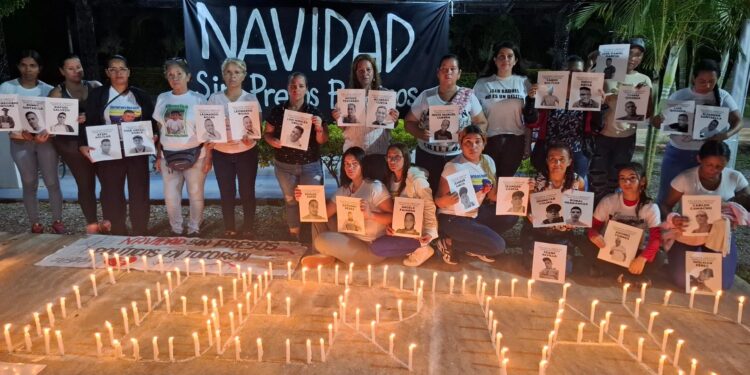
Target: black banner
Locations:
point(320, 39)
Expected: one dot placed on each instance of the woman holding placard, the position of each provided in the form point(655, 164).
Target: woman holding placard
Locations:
point(475, 232)
point(31, 152)
point(406, 181)
point(376, 205)
point(182, 157)
point(235, 162)
point(508, 102)
point(75, 87)
point(682, 150)
point(295, 166)
point(432, 156)
point(710, 177)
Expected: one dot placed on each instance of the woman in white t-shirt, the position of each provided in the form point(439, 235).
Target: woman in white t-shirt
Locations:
point(432, 156)
point(175, 112)
point(507, 99)
point(710, 177)
point(235, 162)
point(376, 206)
point(682, 150)
point(477, 231)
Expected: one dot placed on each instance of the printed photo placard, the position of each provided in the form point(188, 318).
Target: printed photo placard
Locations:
point(549, 262)
point(586, 91)
point(312, 204)
point(295, 130)
point(244, 119)
point(32, 114)
point(552, 90)
point(104, 141)
point(512, 196)
point(702, 212)
point(703, 271)
point(578, 208)
point(632, 104)
point(210, 122)
point(138, 138)
point(61, 115)
point(613, 61)
point(349, 216)
point(378, 105)
point(351, 104)
point(678, 117)
point(467, 199)
point(444, 123)
point(709, 121)
point(10, 119)
point(622, 242)
point(408, 215)
point(546, 208)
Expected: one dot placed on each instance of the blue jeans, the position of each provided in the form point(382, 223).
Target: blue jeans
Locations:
point(674, 162)
point(676, 256)
point(291, 175)
point(391, 246)
point(480, 235)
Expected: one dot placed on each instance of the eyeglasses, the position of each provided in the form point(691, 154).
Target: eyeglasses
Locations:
point(117, 70)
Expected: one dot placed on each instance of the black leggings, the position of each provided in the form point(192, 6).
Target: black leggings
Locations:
point(83, 172)
point(112, 175)
point(507, 151)
point(232, 169)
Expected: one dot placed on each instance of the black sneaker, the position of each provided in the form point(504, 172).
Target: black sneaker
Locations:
point(446, 250)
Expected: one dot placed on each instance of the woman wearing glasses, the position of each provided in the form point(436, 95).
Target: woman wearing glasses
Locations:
point(108, 104)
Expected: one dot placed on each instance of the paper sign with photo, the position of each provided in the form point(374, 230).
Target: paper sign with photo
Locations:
point(61, 115)
point(578, 208)
point(632, 104)
point(138, 138)
point(703, 271)
point(613, 61)
point(408, 215)
point(552, 90)
point(467, 199)
point(244, 119)
point(312, 204)
point(549, 262)
point(622, 242)
point(349, 215)
point(10, 118)
point(702, 212)
point(295, 130)
point(546, 208)
point(351, 105)
point(105, 141)
point(210, 122)
point(378, 104)
point(678, 117)
point(444, 123)
point(32, 114)
point(709, 121)
point(586, 91)
point(512, 196)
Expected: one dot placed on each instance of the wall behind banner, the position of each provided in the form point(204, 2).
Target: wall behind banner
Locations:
point(276, 38)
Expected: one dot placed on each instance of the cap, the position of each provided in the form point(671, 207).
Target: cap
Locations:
point(638, 43)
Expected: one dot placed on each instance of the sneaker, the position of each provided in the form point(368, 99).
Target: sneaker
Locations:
point(37, 228)
point(419, 256)
point(58, 227)
point(446, 251)
point(481, 257)
point(313, 261)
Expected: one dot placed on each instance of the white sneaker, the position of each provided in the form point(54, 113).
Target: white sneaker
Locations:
point(419, 256)
point(483, 258)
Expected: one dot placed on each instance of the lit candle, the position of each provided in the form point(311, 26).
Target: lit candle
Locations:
point(662, 358)
point(483, 291)
point(593, 309)
point(545, 351)
point(171, 349)
point(625, 292)
point(385, 275)
point(50, 315)
point(46, 341)
point(288, 351)
point(148, 300)
point(221, 296)
point(179, 276)
point(550, 338)
point(322, 350)
point(125, 320)
point(203, 267)
point(336, 275)
point(542, 366)
point(161, 263)
point(351, 272)
point(136, 349)
point(489, 318)
point(27, 337)
point(560, 312)
point(580, 332)
point(411, 356)
point(391, 337)
point(434, 281)
point(716, 302)
point(664, 339)
point(558, 321)
point(8, 341)
point(601, 330)
point(497, 287)
point(643, 292)
point(118, 348)
point(414, 282)
point(270, 270)
point(346, 281)
point(369, 275)
point(343, 312)
point(168, 302)
point(504, 368)
point(494, 329)
point(184, 305)
point(308, 345)
point(357, 319)
point(479, 286)
point(209, 332)
point(560, 304)
point(110, 331)
point(637, 307)
point(565, 290)
point(77, 292)
point(169, 281)
point(651, 319)
point(320, 274)
point(93, 258)
point(220, 266)
point(640, 349)
point(377, 312)
point(335, 322)
point(205, 304)
point(288, 307)
point(234, 289)
point(330, 333)
point(692, 295)
point(451, 283)
point(144, 261)
point(400, 303)
point(196, 345)
point(621, 334)
point(239, 313)
point(117, 262)
point(38, 324)
point(231, 322)
point(63, 310)
point(463, 284)
point(487, 306)
point(498, 342)
point(503, 353)
point(513, 287)
point(98, 337)
point(106, 258)
point(528, 288)
point(693, 366)
point(304, 275)
point(268, 298)
point(237, 348)
point(93, 284)
point(677, 350)
point(187, 267)
point(372, 330)
point(158, 291)
point(740, 305)
point(155, 346)
point(401, 280)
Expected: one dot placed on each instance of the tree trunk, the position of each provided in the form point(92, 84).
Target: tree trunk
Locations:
point(4, 65)
point(86, 38)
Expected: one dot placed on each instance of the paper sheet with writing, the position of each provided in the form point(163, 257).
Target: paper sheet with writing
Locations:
point(408, 216)
point(622, 242)
point(295, 130)
point(703, 271)
point(379, 102)
point(244, 119)
point(444, 123)
point(32, 114)
point(467, 199)
point(351, 104)
point(512, 196)
point(138, 138)
point(632, 104)
point(549, 262)
point(578, 208)
point(546, 208)
point(210, 122)
point(678, 117)
point(104, 141)
point(312, 204)
point(61, 116)
point(613, 61)
point(710, 121)
point(349, 215)
point(586, 91)
point(552, 90)
point(10, 119)
point(702, 211)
